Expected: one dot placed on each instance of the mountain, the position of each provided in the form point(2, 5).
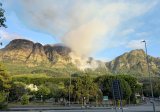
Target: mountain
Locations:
point(32, 54)
point(134, 62)
point(22, 56)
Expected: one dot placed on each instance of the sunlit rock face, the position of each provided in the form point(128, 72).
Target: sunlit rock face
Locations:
point(17, 50)
point(134, 62)
point(54, 51)
point(33, 54)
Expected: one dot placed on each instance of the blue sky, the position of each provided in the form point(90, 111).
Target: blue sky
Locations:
point(122, 38)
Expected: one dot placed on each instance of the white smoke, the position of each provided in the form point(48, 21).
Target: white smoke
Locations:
point(83, 25)
point(82, 62)
point(86, 63)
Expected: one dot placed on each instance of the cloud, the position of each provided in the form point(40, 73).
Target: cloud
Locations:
point(142, 34)
point(7, 36)
point(127, 31)
point(136, 44)
point(86, 26)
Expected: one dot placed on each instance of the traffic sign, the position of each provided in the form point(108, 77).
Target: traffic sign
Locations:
point(105, 98)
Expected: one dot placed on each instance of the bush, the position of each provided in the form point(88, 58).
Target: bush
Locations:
point(3, 104)
point(17, 91)
point(43, 93)
point(25, 99)
point(123, 103)
point(2, 97)
point(105, 84)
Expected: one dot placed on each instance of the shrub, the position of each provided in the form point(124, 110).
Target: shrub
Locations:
point(25, 99)
point(3, 104)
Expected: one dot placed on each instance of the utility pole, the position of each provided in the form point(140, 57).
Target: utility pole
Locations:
point(149, 73)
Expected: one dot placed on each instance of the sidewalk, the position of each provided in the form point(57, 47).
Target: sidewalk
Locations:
point(51, 107)
point(31, 108)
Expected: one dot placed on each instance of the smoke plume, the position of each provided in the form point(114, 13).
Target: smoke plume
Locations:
point(83, 25)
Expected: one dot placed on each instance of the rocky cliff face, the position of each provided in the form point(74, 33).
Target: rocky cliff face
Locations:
point(32, 54)
point(135, 63)
point(57, 53)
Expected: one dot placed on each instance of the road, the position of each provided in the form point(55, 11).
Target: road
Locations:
point(142, 108)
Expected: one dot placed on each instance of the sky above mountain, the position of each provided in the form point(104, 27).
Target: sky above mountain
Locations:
point(102, 29)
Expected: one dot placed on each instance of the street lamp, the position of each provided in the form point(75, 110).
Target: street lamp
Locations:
point(151, 86)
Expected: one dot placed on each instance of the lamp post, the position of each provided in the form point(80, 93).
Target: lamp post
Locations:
point(151, 86)
point(148, 67)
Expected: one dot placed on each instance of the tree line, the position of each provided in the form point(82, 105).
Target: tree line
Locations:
point(83, 88)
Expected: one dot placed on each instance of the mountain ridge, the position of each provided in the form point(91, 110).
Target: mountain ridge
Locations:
point(27, 53)
point(134, 62)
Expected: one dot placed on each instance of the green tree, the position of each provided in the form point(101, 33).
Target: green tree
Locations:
point(135, 86)
point(84, 88)
point(25, 99)
point(2, 97)
point(4, 86)
point(57, 90)
point(2, 100)
point(2, 17)
point(5, 79)
point(43, 92)
point(105, 84)
point(147, 89)
point(17, 91)
point(156, 87)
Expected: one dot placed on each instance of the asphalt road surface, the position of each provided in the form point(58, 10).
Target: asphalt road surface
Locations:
point(142, 108)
